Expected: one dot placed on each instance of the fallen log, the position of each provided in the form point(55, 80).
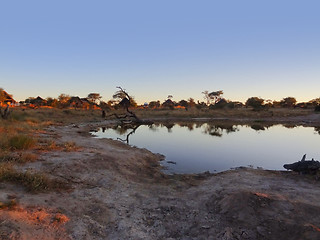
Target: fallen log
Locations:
point(304, 166)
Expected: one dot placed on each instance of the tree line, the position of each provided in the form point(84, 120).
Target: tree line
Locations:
point(211, 100)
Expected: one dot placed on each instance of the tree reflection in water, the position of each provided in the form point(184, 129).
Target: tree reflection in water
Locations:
point(123, 129)
point(212, 129)
point(218, 130)
point(258, 127)
point(169, 126)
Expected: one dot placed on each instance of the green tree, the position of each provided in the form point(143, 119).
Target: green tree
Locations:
point(94, 98)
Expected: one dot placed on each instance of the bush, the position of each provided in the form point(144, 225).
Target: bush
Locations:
point(34, 182)
point(255, 102)
point(20, 142)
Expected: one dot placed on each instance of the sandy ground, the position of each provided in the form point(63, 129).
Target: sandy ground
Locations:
point(119, 192)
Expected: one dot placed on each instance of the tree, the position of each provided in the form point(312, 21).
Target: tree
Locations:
point(201, 105)
point(255, 102)
point(212, 97)
point(130, 118)
point(154, 104)
point(315, 101)
point(191, 102)
point(222, 103)
point(64, 100)
point(94, 98)
point(288, 102)
point(168, 104)
point(105, 106)
point(120, 97)
point(52, 102)
point(206, 96)
point(183, 103)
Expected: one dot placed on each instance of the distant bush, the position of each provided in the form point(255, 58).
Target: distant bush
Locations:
point(317, 108)
point(255, 102)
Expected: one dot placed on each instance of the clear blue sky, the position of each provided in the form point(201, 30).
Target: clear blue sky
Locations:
point(265, 48)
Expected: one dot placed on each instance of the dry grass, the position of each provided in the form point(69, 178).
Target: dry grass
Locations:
point(51, 145)
point(70, 146)
point(238, 113)
point(18, 157)
point(16, 142)
point(48, 116)
point(34, 182)
point(20, 142)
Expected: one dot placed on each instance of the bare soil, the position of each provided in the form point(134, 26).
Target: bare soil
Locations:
point(119, 192)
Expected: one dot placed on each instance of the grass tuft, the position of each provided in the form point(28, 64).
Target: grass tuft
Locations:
point(21, 142)
point(70, 146)
point(21, 157)
point(34, 182)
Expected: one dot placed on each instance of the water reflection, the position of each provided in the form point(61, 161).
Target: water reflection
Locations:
point(208, 128)
point(197, 146)
point(258, 127)
point(218, 130)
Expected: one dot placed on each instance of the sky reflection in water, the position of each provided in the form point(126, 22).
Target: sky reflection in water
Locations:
point(200, 147)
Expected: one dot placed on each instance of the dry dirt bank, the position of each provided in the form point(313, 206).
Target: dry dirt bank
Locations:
point(118, 192)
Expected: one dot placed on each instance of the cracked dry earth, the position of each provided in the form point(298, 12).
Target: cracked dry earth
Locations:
point(119, 192)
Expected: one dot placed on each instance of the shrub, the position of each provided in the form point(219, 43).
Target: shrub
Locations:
point(21, 142)
point(34, 182)
point(255, 102)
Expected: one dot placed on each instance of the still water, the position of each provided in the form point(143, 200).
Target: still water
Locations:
point(200, 147)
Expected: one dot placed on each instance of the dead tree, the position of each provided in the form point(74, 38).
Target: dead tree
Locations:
point(5, 114)
point(304, 166)
point(130, 117)
point(134, 128)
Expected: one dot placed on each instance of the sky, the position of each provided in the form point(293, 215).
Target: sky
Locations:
point(263, 48)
